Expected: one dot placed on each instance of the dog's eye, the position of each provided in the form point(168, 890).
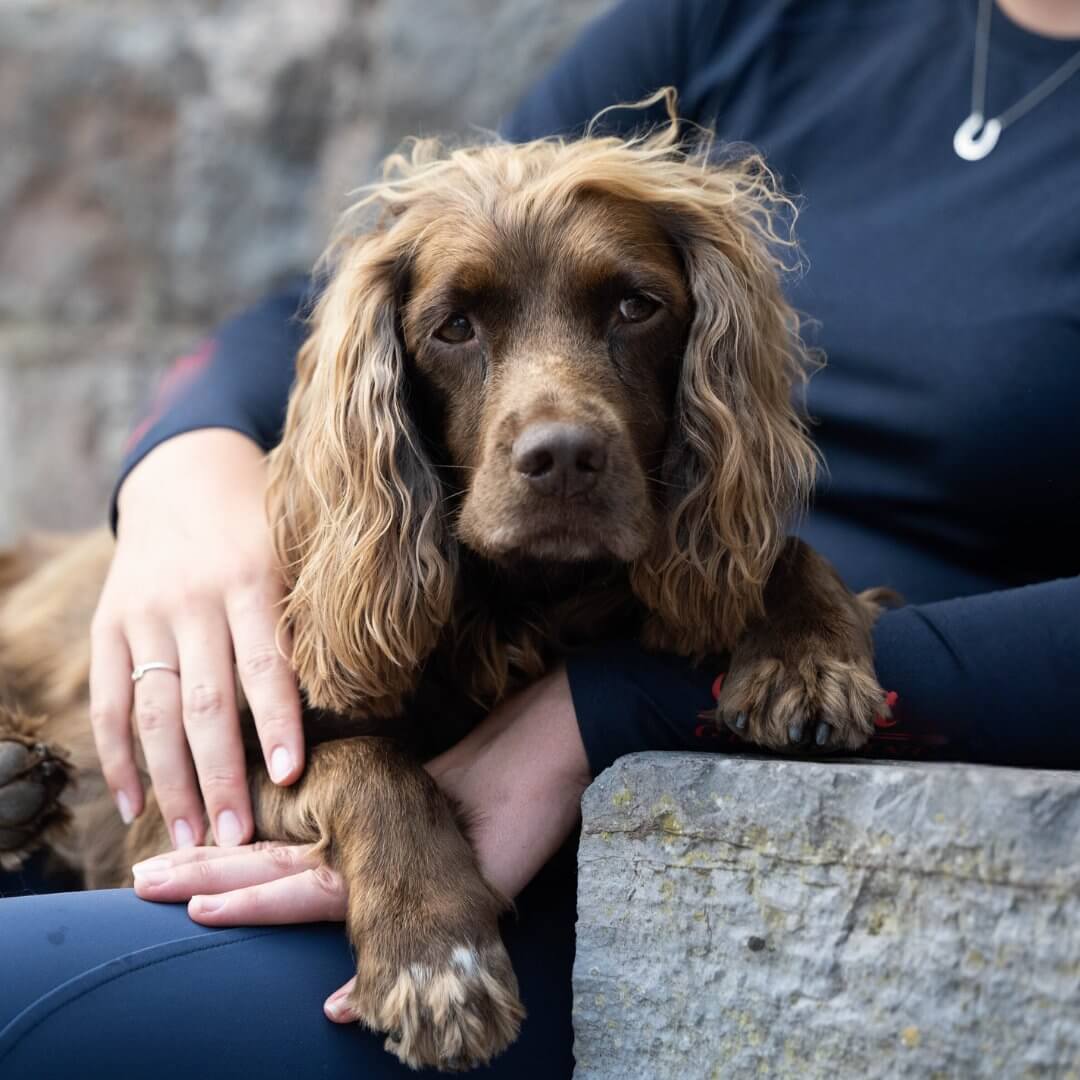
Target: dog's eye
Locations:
point(637, 307)
point(456, 330)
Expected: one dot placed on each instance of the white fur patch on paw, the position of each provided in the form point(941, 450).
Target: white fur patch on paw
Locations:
point(465, 960)
point(453, 1015)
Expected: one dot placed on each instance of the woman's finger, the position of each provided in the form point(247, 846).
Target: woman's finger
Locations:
point(337, 1006)
point(208, 694)
point(201, 854)
point(158, 879)
point(267, 679)
point(110, 718)
point(316, 895)
point(157, 716)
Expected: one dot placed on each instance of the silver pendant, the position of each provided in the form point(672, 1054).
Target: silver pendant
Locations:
point(973, 144)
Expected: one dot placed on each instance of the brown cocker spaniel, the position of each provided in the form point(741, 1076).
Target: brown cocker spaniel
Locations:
point(546, 398)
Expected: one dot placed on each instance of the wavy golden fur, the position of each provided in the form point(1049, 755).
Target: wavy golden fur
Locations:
point(357, 503)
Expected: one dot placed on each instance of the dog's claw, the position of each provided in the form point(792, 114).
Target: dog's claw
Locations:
point(821, 737)
point(795, 731)
point(740, 722)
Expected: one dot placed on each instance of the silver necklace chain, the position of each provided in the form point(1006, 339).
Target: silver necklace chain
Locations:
point(977, 136)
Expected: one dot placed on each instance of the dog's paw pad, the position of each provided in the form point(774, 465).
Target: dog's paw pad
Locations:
point(31, 780)
point(21, 801)
point(453, 1015)
point(15, 759)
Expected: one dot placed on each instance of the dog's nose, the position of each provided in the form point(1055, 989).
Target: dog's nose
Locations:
point(560, 459)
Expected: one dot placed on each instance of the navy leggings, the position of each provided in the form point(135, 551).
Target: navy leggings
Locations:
point(106, 984)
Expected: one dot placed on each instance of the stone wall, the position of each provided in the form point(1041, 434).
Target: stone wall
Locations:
point(163, 163)
point(744, 917)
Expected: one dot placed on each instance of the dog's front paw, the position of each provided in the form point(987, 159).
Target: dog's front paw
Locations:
point(814, 703)
point(31, 780)
point(451, 1007)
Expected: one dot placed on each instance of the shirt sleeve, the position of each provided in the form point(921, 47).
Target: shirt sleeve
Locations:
point(991, 678)
point(239, 378)
point(995, 675)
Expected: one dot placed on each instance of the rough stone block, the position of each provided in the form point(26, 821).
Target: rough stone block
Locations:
point(746, 917)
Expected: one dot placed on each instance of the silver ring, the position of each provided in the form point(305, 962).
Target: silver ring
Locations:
point(154, 665)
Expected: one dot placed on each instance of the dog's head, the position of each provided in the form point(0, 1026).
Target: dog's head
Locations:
point(558, 351)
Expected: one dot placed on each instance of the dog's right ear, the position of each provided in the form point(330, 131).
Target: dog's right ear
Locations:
point(740, 464)
point(355, 504)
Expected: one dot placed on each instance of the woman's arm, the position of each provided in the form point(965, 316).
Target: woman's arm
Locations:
point(997, 675)
point(238, 379)
point(991, 678)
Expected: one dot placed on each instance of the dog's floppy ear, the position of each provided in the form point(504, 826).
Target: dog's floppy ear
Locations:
point(739, 463)
point(355, 504)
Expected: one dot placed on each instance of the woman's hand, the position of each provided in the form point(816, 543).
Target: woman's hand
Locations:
point(519, 776)
point(193, 584)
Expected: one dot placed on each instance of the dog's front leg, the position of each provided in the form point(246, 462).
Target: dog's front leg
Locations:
point(802, 677)
point(432, 971)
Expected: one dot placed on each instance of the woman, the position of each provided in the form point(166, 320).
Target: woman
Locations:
point(944, 286)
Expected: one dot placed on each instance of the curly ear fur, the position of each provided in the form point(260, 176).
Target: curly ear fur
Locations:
point(354, 503)
point(740, 463)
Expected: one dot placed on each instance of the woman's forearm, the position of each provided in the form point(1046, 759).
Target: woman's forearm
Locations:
point(238, 379)
point(519, 776)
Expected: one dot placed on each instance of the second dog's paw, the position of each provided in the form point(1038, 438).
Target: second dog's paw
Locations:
point(31, 780)
point(453, 1013)
point(820, 703)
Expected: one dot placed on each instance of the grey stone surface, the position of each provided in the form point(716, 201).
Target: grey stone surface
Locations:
point(162, 164)
point(744, 917)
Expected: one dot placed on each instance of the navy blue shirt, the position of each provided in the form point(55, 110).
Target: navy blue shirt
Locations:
point(944, 293)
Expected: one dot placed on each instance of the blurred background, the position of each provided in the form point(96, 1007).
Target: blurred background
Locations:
point(163, 163)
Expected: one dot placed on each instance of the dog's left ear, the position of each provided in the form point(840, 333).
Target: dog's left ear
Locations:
point(355, 504)
point(739, 464)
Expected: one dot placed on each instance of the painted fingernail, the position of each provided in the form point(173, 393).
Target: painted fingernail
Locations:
point(152, 878)
point(150, 866)
point(182, 835)
point(123, 804)
point(227, 832)
point(207, 905)
point(280, 764)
